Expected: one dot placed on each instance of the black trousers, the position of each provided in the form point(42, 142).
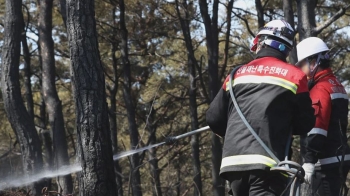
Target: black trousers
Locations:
point(328, 182)
point(256, 183)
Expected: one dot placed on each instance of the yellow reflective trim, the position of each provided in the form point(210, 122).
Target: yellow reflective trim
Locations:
point(247, 159)
point(228, 85)
point(265, 79)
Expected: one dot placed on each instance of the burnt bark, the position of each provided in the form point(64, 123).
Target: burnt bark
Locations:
point(289, 17)
point(211, 30)
point(52, 102)
point(19, 118)
point(133, 131)
point(191, 65)
point(94, 144)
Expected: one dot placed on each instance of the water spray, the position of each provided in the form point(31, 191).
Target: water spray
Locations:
point(6, 183)
point(23, 181)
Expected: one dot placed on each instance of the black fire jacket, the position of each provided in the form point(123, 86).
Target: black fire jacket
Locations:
point(273, 95)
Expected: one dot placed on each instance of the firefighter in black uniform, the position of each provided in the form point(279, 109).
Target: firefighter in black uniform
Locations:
point(325, 145)
point(273, 96)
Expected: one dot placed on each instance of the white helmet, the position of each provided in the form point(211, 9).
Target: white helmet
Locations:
point(276, 28)
point(309, 47)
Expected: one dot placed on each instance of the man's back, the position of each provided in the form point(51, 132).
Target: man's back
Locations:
point(274, 98)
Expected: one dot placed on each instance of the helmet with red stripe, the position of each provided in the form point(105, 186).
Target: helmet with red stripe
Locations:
point(278, 34)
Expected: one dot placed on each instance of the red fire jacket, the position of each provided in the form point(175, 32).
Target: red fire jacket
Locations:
point(323, 143)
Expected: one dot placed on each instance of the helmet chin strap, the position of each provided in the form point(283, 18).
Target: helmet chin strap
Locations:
point(311, 82)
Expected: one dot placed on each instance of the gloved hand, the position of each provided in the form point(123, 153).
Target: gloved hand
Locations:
point(309, 169)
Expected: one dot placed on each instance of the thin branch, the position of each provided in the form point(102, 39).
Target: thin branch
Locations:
point(62, 53)
point(201, 80)
point(246, 23)
point(28, 18)
point(245, 11)
point(332, 19)
point(265, 4)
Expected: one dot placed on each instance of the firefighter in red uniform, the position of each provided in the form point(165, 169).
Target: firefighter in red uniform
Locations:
point(274, 98)
point(325, 145)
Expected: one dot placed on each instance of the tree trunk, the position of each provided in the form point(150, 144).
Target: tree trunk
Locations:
point(20, 120)
point(191, 63)
point(112, 112)
point(27, 76)
point(63, 9)
point(45, 135)
point(133, 131)
point(289, 17)
point(153, 163)
point(94, 144)
point(227, 36)
point(260, 13)
point(113, 130)
point(307, 21)
point(306, 18)
point(52, 101)
point(46, 138)
point(152, 155)
point(211, 30)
